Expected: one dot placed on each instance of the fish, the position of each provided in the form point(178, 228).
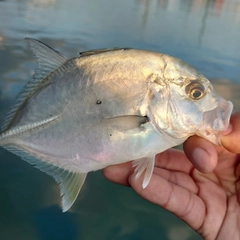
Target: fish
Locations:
point(105, 107)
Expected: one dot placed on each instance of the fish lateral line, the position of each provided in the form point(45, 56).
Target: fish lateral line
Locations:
point(18, 130)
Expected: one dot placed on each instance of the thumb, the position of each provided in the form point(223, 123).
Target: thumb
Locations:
point(201, 153)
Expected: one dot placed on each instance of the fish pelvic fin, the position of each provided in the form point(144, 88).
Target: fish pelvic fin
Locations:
point(70, 182)
point(48, 60)
point(144, 164)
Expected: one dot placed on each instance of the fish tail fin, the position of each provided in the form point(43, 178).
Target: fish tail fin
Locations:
point(70, 182)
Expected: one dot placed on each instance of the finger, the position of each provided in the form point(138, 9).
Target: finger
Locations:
point(231, 141)
point(119, 173)
point(183, 203)
point(177, 178)
point(173, 159)
point(238, 182)
point(201, 153)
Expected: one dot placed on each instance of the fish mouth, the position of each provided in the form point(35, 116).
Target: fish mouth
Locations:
point(216, 121)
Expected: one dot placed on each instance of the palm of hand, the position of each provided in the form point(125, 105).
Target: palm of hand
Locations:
point(220, 194)
point(209, 203)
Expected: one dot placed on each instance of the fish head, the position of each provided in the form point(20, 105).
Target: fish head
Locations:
point(184, 103)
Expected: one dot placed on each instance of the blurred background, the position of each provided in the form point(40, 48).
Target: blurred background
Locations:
point(204, 33)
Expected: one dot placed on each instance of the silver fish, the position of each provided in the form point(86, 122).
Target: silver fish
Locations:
point(106, 107)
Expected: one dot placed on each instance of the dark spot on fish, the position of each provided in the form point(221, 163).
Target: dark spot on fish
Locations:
point(98, 102)
point(110, 134)
point(50, 115)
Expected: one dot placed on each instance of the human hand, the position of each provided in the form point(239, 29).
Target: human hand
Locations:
point(205, 193)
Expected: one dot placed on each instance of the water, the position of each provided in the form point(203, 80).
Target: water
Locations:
point(204, 33)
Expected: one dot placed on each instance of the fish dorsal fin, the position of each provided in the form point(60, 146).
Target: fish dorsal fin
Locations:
point(98, 51)
point(48, 60)
point(144, 164)
point(70, 182)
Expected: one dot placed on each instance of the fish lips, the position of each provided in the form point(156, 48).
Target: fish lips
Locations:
point(216, 121)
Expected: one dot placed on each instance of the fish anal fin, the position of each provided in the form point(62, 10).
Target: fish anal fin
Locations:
point(144, 164)
point(70, 186)
point(70, 182)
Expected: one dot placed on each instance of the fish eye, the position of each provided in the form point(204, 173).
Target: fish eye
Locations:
point(195, 90)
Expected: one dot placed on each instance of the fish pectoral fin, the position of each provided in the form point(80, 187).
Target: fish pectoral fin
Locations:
point(70, 183)
point(144, 164)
